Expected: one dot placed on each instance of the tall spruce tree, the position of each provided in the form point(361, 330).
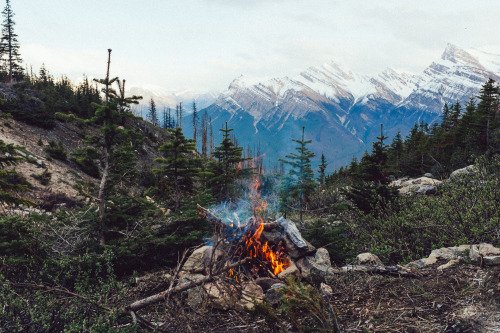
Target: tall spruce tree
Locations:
point(487, 110)
point(300, 177)
point(227, 167)
point(179, 166)
point(9, 45)
point(321, 170)
point(153, 113)
point(195, 121)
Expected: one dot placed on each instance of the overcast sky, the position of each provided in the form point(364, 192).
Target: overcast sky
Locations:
point(205, 44)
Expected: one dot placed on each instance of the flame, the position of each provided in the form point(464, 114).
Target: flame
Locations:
point(277, 260)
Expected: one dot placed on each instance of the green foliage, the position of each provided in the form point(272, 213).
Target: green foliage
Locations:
point(17, 241)
point(179, 168)
point(44, 177)
point(86, 159)
point(299, 183)
point(331, 235)
point(306, 308)
point(56, 150)
point(227, 168)
point(464, 212)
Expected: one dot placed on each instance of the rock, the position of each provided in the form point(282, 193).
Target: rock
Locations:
point(429, 175)
point(316, 269)
point(296, 252)
point(467, 171)
point(422, 185)
point(482, 250)
point(290, 270)
point(429, 189)
point(449, 264)
point(273, 238)
point(252, 293)
point(217, 295)
point(265, 283)
point(273, 295)
point(198, 260)
point(325, 290)
point(368, 258)
point(491, 260)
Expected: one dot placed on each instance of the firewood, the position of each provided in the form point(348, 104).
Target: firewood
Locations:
point(140, 304)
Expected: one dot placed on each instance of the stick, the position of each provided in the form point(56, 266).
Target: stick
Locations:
point(140, 304)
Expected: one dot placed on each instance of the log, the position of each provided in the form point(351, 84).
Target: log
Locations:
point(140, 304)
point(218, 223)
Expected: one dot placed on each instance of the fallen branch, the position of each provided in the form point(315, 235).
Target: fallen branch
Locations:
point(140, 304)
point(218, 223)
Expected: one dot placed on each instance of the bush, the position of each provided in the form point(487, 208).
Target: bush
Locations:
point(464, 212)
point(56, 150)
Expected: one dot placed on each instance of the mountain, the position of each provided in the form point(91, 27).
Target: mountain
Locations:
point(342, 110)
point(165, 99)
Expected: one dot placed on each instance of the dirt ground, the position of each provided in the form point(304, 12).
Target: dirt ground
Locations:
point(463, 298)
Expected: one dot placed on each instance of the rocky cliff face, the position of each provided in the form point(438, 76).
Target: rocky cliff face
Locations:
point(342, 110)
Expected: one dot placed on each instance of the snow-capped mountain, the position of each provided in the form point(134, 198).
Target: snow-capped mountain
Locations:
point(341, 110)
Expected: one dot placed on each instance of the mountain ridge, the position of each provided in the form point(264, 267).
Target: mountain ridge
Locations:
point(342, 110)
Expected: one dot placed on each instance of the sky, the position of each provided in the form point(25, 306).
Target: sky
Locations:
point(202, 45)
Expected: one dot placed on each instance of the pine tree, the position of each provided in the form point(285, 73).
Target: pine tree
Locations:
point(179, 167)
point(226, 168)
point(8, 188)
point(487, 109)
point(152, 113)
point(300, 177)
point(9, 45)
point(195, 121)
point(321, 170)
point(204, 134)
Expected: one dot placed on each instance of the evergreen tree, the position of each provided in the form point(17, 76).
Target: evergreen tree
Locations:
point(152, 112)
point(300, 177)
point(321, 170)
point(179, 167)
point(195, 121)
point(227, 168)
point(487, 110)
point(9, 45)
point(9, 187)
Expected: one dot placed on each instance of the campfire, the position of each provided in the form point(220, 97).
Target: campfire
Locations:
point(271, 246)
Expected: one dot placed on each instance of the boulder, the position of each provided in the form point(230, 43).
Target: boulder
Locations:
point(252, 293)
point(429, 175)
point(273, 238)
point(273, 295)
point(198, 260)
point(368, 258)
point(464, 172)
point(449, 264)
point(317, 268)
point(422, 185)
point(491, 260)
point(296, 252)
point(478, 251)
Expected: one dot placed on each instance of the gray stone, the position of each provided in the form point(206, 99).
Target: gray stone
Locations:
point(290, 270)
point(296, 252)
point(273, 295)
point(467, 171)
point(198, 260)
point(368, 258)
point(422, 185)
point(429, 189)
point(265, 283)
point(429, 175)
point(325, 290)
point(252, 293)
point(491, 260)
point(449, 264)
point(316, 269)
point(273, 238)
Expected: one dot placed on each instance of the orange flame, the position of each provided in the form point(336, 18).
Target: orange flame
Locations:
point(277, 260)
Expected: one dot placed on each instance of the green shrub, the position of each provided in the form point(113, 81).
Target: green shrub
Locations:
point(464, 212)
point(86, 158)
point(56, 150)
